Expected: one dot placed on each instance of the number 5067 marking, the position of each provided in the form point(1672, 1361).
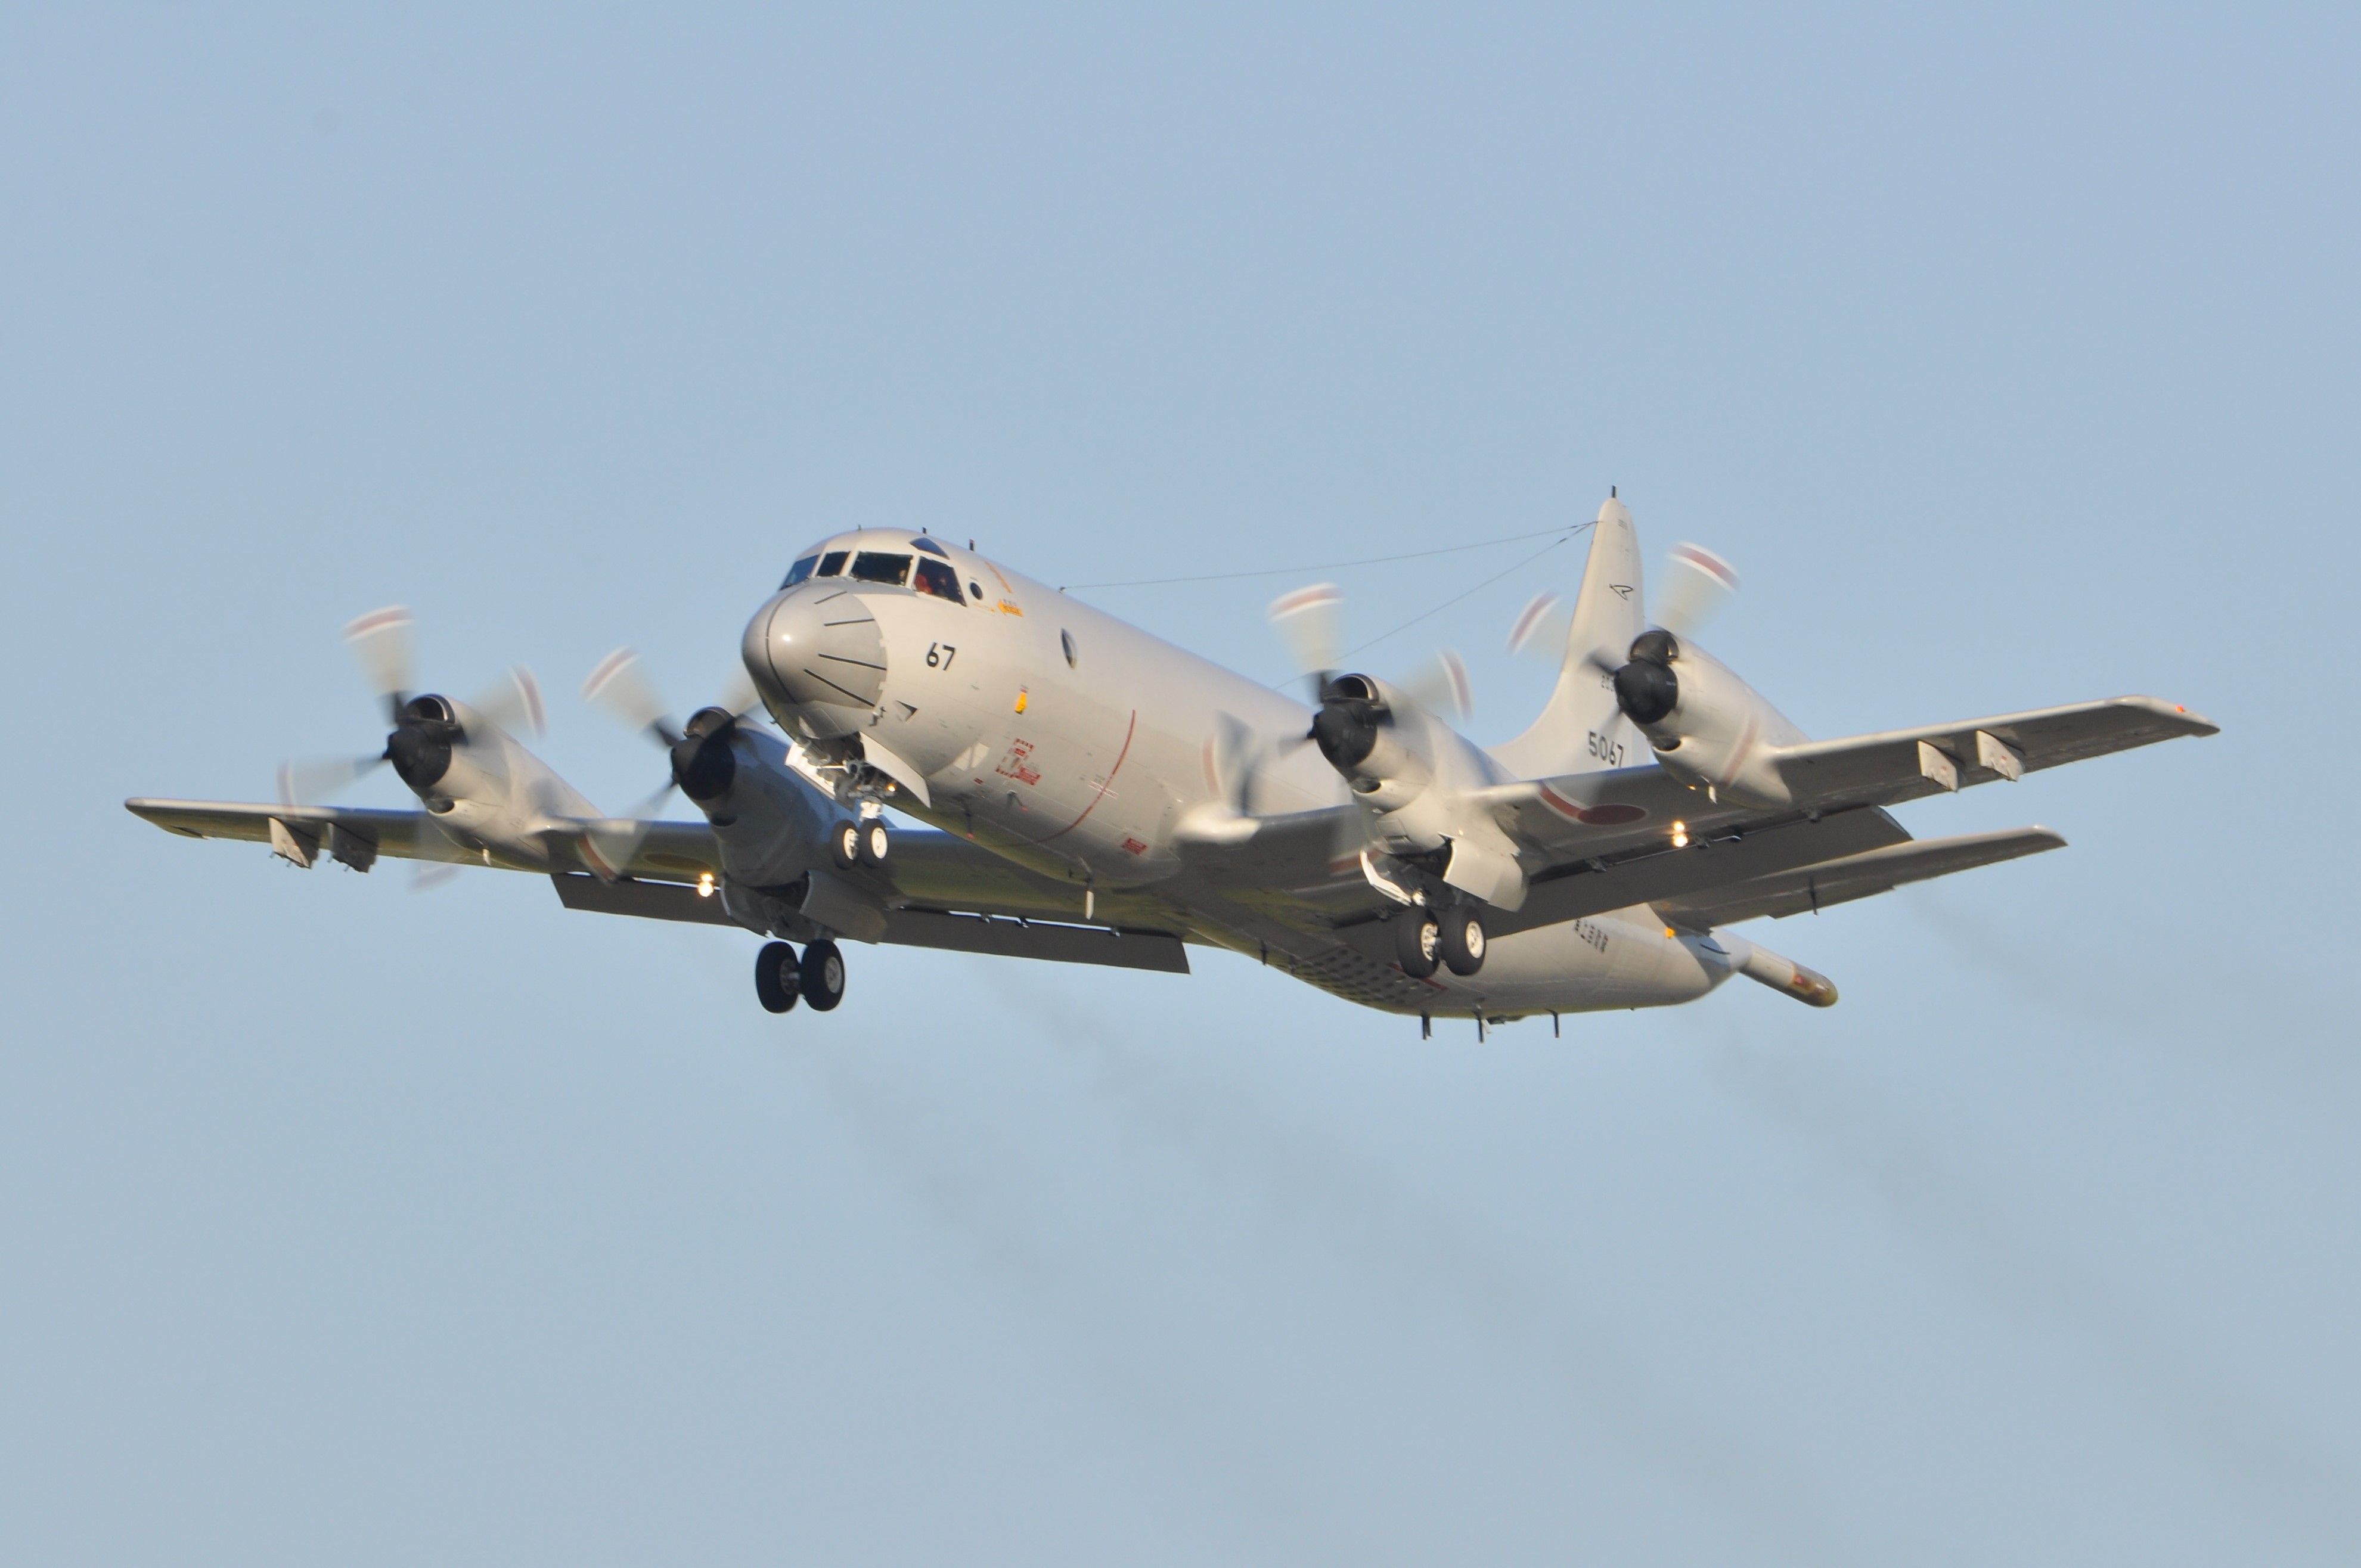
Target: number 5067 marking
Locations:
point(939, 655)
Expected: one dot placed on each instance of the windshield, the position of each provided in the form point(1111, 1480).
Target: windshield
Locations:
point(878, 566)
point(799, 571)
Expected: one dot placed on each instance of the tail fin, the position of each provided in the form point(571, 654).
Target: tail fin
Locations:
point(1608, 613)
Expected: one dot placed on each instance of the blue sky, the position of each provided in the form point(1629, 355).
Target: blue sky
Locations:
point(2009, 355)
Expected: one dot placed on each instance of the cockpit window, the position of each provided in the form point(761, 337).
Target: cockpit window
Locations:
point(800, 571)
point(936, 577)
point(831, 564)
point(928, 545)
point(877, 566)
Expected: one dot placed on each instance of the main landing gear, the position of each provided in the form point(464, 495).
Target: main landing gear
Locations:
point(1425, 940)
point(781, 979)
point(861, 843)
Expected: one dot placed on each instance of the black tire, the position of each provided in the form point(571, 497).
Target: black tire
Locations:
point(1462, 942)
point(874, 842)
point(778, 978)
point(1417, 944)
point(844, 844)
point(823, 976)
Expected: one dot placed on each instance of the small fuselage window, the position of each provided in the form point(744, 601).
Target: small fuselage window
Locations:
point(800, 571)
point(928, 545)
point(831, 564)
point(878, 566)
point(936, 578)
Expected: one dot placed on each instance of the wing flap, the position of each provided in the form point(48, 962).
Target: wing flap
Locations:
point(1662, 872)
point(1002, 938)
point(1864, 875)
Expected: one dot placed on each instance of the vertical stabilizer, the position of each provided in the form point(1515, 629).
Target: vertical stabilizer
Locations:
point(1608, 612)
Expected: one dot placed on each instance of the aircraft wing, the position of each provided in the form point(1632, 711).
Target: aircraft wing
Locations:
point(945, 892)
point(1904, 765)
point(1841, 880)
point(1592, 820)
point(357, 836)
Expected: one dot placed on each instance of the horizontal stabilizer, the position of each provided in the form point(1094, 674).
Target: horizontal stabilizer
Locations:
point(1856, 876)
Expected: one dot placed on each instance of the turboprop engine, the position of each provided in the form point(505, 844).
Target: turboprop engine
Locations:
point(483, 790)
point(1410, 773)
point(1358, 729)
point(1708, 729)
point(772, 826)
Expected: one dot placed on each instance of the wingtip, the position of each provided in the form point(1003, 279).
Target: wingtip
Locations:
point(2190, 721)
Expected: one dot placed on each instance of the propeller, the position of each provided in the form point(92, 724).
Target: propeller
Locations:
point(424, 728)
point(702, 763)
point(1351, 711)
point(1308, 622)
point(1311, 622)
point(1696, 584)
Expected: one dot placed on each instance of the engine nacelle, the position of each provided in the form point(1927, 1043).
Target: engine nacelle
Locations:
point(1708, 729)
point(1385, 749)
point(771, 825)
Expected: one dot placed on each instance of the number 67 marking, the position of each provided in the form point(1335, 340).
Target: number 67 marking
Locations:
point(939, 655)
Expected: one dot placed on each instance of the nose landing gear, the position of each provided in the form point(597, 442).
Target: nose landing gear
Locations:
point(781, 979)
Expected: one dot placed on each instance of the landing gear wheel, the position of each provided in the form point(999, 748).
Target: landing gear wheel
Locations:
point(844, 844)
point(1462, 942)
point(778, 979)
point(823, 975)
point(874, 842)
point(1418, 943)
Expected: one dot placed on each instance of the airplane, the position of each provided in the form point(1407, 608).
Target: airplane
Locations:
point(1093, 794)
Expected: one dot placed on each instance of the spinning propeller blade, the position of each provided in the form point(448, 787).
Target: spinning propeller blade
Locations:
point(621, 689)
point(513, 702)
point(1440, 685)
point(384, 643)
point(1306, 620)
point(1696, 584)
point(316, 779)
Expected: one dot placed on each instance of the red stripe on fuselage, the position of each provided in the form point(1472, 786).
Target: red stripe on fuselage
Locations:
point(1104, 785)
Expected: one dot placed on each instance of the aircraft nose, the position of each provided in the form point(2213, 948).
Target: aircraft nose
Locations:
point(816, 656)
